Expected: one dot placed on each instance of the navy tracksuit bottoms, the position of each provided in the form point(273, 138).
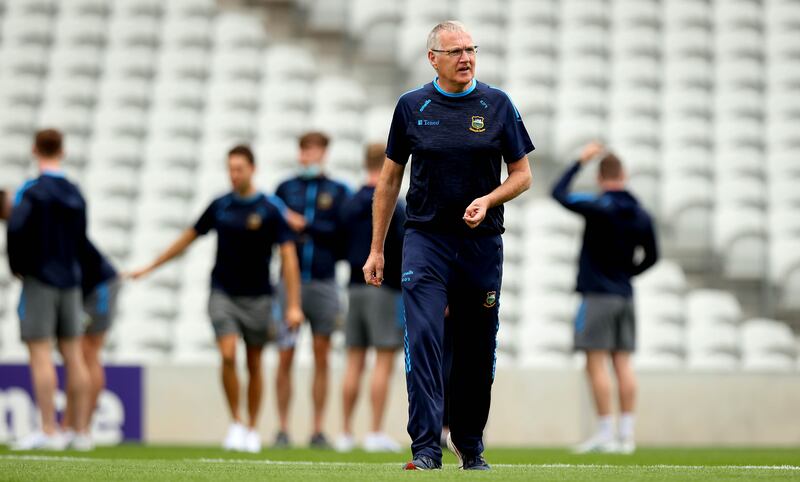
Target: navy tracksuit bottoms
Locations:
point(464, 273)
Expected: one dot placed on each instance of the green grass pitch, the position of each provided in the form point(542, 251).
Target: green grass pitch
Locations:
point(168, 463)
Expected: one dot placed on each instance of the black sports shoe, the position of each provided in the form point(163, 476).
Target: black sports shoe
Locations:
point(475, 462)
point(423, 462)
point(467, 462)
point(281, 441)
point(318, 441)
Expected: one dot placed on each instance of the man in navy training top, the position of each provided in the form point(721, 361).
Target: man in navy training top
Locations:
point(314, 202)
point(100, 289)
point(458, 132)
point(374, 316)
point(46, 235)
point(618, 243)
point(248, 225)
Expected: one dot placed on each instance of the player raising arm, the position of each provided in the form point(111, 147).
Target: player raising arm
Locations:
point(248, 224)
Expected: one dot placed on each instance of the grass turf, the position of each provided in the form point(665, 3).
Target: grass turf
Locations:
point(156, 463)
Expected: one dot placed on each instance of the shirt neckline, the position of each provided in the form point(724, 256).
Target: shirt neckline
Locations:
point(438, 88)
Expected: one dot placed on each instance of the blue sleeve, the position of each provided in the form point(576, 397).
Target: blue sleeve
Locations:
point(279, 204)
point(516, 142)
point(207, 220)
point(581, 203)
point(398, 147)
point(283, 232)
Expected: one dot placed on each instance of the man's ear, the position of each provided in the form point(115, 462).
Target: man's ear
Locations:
point(432, 60)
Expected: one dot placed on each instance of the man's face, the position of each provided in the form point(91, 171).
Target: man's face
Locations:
point(458, 69)
point(241, 172)
point(312, 155)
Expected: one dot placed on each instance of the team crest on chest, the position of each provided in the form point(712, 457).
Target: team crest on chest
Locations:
point(491, 299)
point(324, 201)
point(477, 125)
point(254, 222)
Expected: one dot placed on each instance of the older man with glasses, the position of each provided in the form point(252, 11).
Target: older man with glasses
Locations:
point(457, 132)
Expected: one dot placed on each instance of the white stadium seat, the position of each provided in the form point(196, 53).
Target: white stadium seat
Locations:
point(712, 307)
point(233, 29)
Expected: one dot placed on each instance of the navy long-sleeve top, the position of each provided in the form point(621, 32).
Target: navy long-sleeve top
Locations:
point(616, 227)
point(320, 245)
point(47, 231)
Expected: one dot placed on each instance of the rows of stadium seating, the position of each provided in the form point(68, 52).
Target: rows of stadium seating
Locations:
point(152, 93)
point(699, 97)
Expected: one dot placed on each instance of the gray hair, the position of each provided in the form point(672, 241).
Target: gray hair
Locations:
point(447, 25)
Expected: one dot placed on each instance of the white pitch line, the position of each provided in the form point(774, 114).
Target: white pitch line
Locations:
point(48, 458)
point(53, 458)
point(533, 466)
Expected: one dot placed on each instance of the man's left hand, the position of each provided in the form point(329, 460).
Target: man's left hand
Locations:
point(476, 212)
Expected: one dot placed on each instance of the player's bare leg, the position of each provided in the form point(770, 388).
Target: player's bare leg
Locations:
point(319, 391)
point(384, 362)
point(626, 381)
point(91, 345)
point(43, 375)
point(234, 440)
point(283, 388)
point(45, 382)
point(78, 391)
point(377, 441)
point(600, 381)
point(230, 380)
point(350, 388)
point(255, 385)
point(255, 390)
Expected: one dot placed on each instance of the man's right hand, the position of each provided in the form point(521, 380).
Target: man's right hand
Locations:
point(373, 268)
point(295, 220)
point(590, 151)
point(294, 317)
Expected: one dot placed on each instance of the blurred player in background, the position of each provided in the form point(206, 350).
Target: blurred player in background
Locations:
point(46, 236)
point(617, 227)
point(314, 202)
point(99, 288)
point(373, 317)
point(458, 131)
point(248, 225)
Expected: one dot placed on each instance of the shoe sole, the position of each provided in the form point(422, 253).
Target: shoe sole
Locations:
point(452, 447)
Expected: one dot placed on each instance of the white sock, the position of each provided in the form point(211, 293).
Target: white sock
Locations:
point(605, 426)
point(626, 424)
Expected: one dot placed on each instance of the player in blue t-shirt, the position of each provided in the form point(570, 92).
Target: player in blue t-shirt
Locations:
point(46, 234)
point(458, 132)
point(248, 225)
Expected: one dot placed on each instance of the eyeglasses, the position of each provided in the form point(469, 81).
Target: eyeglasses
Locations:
point(471, 51)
